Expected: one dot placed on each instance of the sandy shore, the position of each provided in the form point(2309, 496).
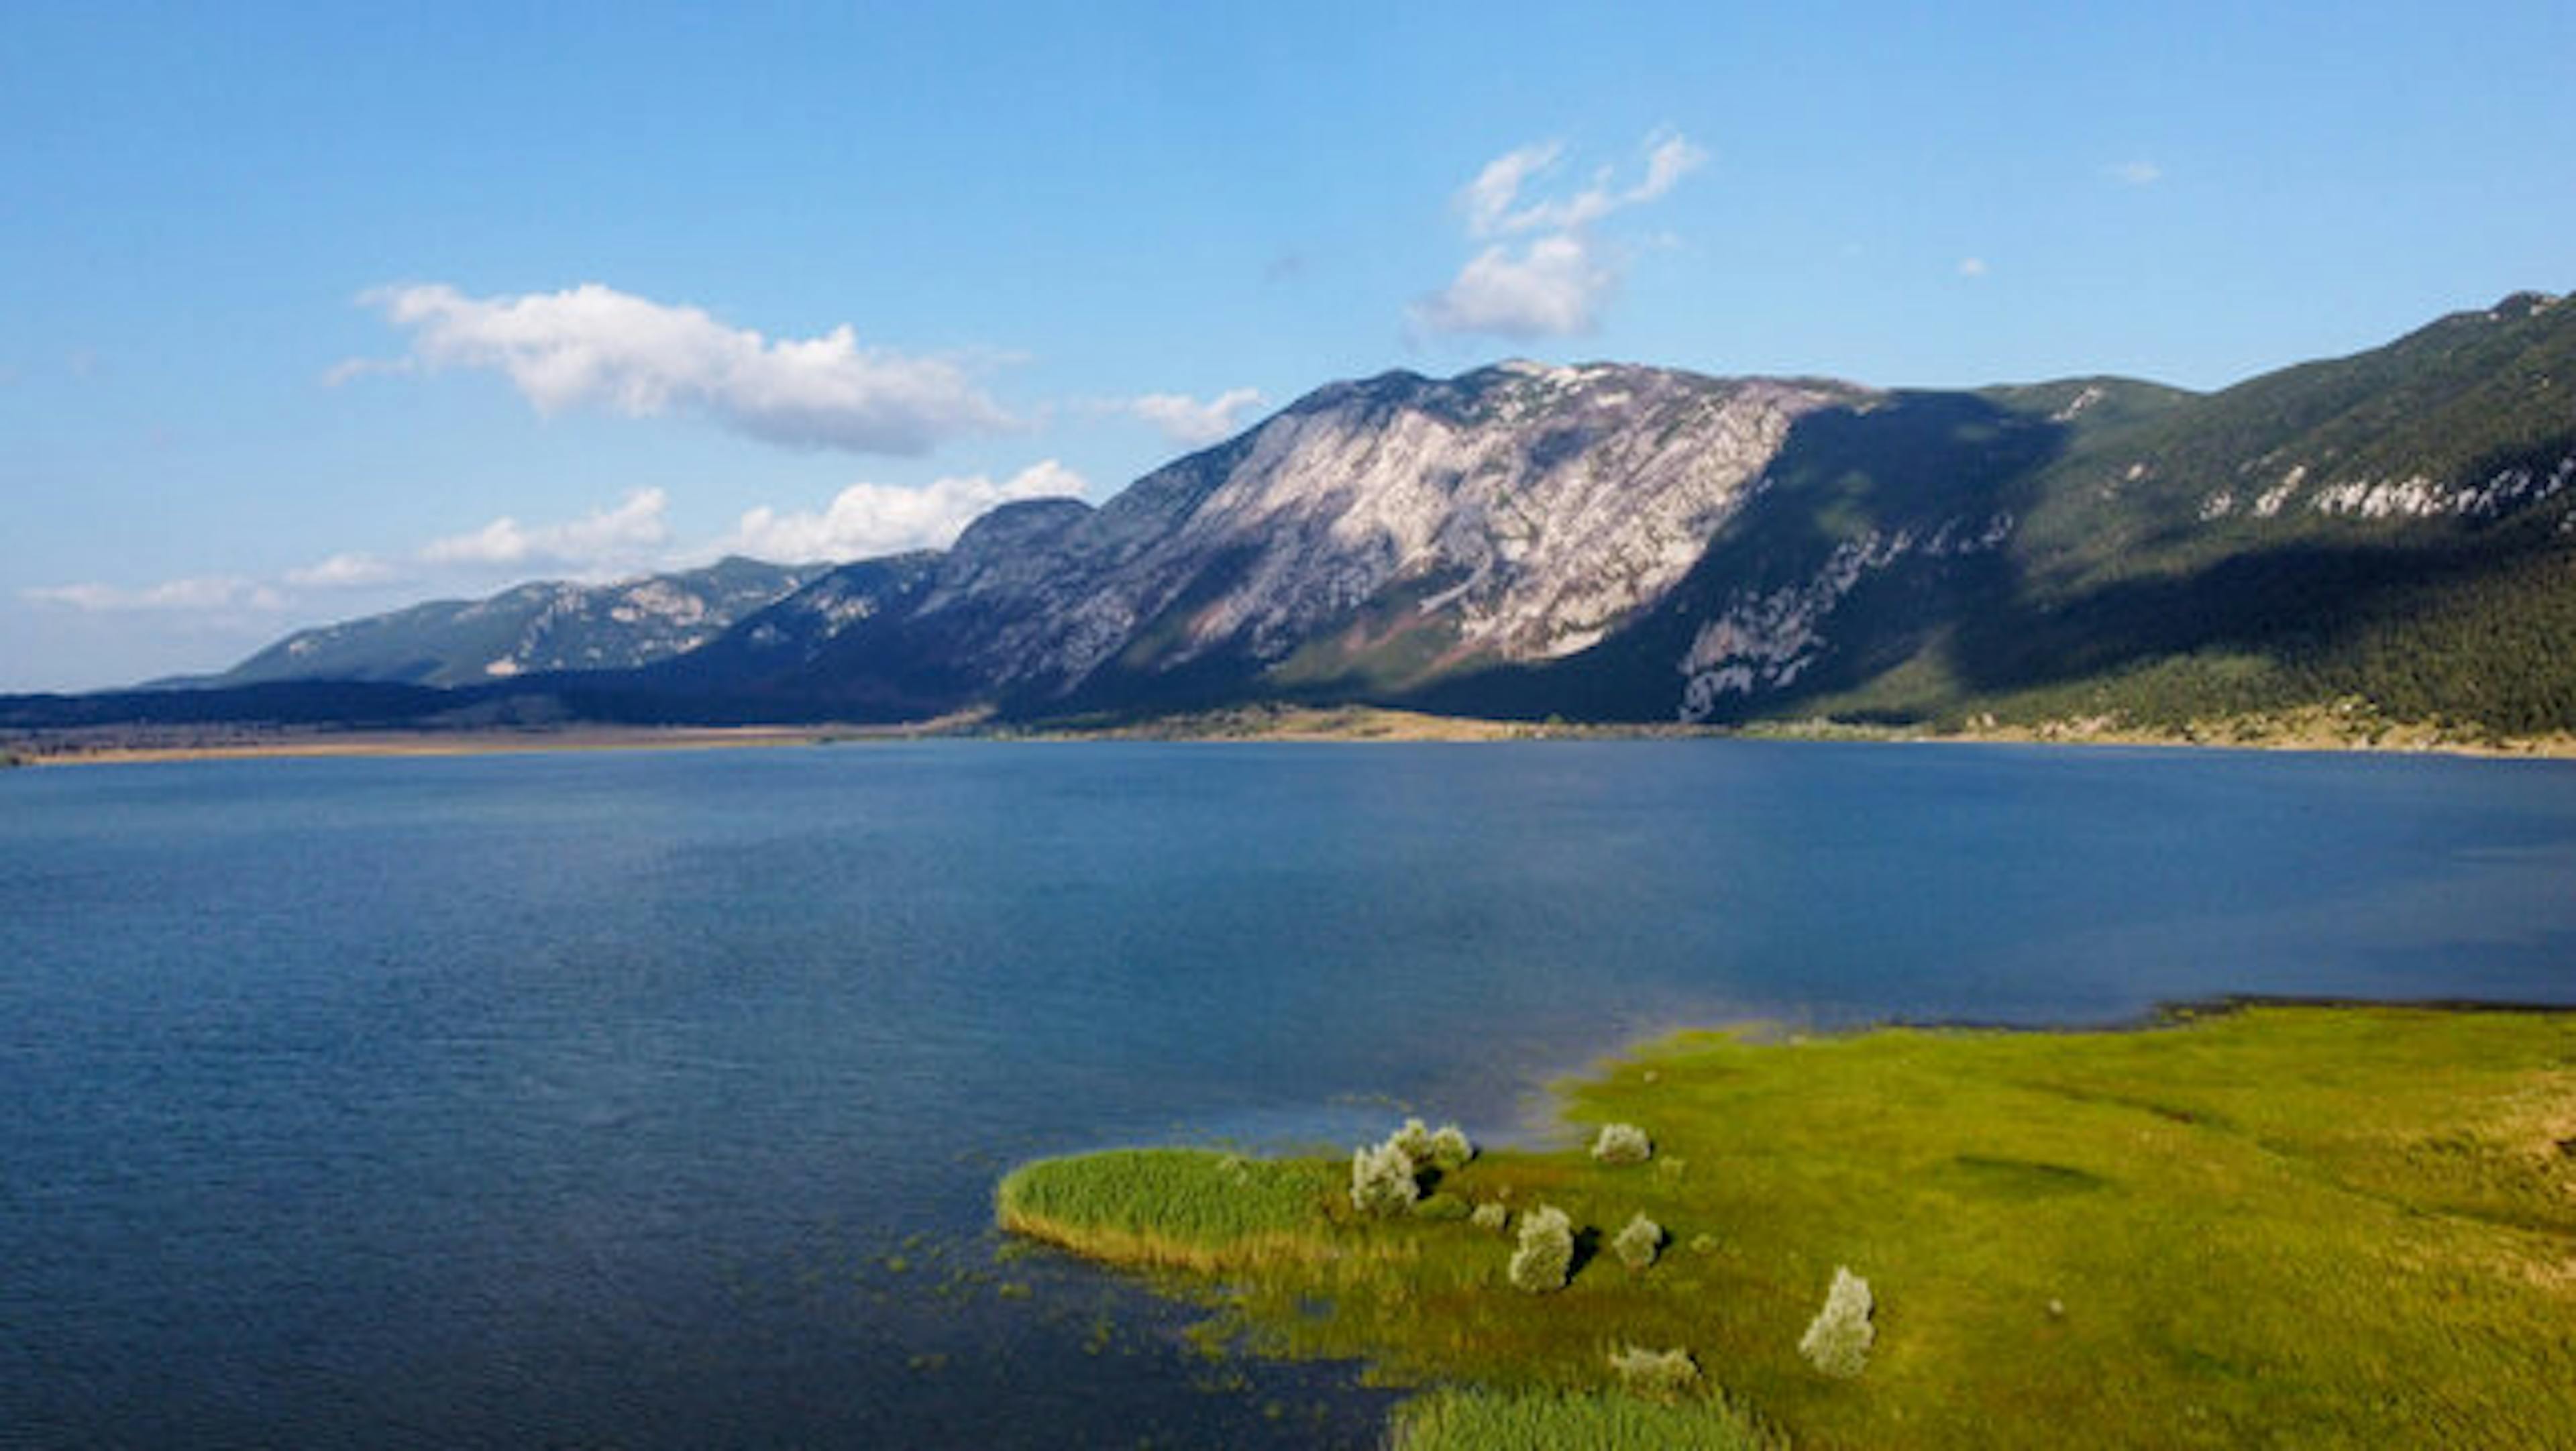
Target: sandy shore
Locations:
point(1354, 724)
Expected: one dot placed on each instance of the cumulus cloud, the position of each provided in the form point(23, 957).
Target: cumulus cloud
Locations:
point(2136, 173)
point(199, 594)
point(602, 539)
point(873, 519)
point(1553, 280)
point(593, 346)
point(1190, 423)
point(1553, 287)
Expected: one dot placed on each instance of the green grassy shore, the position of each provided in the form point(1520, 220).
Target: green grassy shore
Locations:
point(2279, 1225)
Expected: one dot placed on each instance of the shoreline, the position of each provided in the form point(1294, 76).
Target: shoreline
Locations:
point(256, 746)
point(1353, 725)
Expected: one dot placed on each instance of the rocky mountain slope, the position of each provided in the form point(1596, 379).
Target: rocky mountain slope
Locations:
point(532, 629)
point(2389, 536)
point(2387, 532)
point(1373, 537)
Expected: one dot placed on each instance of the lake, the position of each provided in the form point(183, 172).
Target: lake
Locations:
point(656, 1099)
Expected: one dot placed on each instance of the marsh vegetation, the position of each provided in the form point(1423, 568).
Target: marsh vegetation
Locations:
point(2320, 1226)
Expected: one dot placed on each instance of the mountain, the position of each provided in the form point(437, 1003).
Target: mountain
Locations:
point(532, 629)
point(1371, 539)
point(2387, 533)
point(2387, 538)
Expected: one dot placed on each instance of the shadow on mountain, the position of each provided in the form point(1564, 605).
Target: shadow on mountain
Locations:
point(2461, 618)
point(1846, 479)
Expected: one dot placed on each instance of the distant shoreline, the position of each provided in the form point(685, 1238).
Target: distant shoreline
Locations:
point(111, 745)
point(88, 748)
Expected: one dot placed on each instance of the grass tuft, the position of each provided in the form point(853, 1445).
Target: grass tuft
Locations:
point(1472, 1420)
point(1658, 1375)
point(1191, 1208)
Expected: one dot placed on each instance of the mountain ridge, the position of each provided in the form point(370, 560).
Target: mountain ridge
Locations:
point(1615, 542)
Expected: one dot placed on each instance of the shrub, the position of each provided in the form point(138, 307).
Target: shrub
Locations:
point(1441, 1206)
point(1638, 1242)
point(1623, 1144)
point(1382, 1180)
point(1450, 1150)
point(1444, 1148)
point(1415, 1139)
point(1838, 1339)
point(1492, 1214)
point(1658, 1375)
point(1546, 1252)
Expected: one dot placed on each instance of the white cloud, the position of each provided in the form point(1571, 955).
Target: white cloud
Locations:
point(1190, 423)
point(593, 346)
point(1552, 287)
point(349, 370)
point(604, 539)
point(2136, 173)
point(872, 519)
point(1488, 199)
point(197, 594)
point(1554, 283)
point(342, 571)
point(1972, 266)
point(1491, 201)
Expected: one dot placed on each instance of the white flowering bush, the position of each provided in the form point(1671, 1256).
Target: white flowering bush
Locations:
point(1638, 1242)
point(1493, 1214)
point(1545, 1255)
point(1450, 1150)
point(1382, 1180)
point(1415, 1139)
point(1837, 1341)
point(1622, 1144)
point(1444, 1148)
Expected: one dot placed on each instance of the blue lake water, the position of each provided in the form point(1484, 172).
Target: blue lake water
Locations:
point(656, 1099)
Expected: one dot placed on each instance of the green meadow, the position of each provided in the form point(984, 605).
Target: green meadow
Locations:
point(2311, 1226)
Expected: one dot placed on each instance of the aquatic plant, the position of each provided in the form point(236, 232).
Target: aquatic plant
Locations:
point(1382, 1180)
point(1638, 1241)
point(1837, 1341)
point(1545, 1255)
point(1490, 1420)
point(1186, 1207)
point(1623, 1144)
point(1658, 1375)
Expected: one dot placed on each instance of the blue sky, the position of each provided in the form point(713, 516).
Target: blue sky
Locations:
point(308, 312)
